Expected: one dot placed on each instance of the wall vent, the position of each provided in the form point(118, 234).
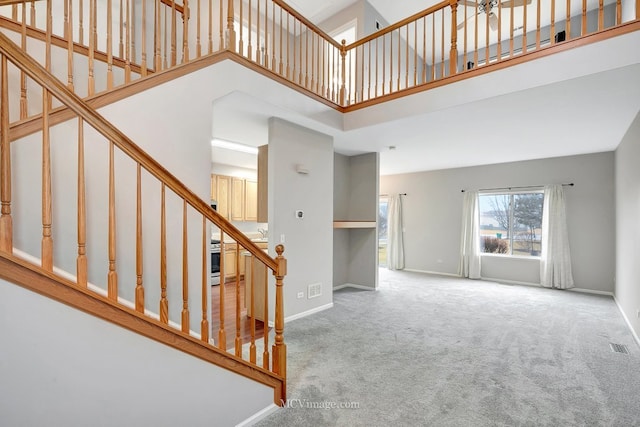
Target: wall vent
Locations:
point(619, 348)
point(314, 290)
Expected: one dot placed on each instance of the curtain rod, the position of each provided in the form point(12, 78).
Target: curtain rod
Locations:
point(399, 194)
point(571, 184)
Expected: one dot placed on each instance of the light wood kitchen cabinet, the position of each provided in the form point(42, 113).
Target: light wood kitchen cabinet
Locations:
point(250, 200)
point(237, 199)
point(223, 195)
point(230, 260)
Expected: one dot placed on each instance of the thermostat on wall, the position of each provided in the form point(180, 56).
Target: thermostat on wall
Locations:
point(299, 214)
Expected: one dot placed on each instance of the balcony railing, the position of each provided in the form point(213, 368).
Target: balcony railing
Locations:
point(95, 46)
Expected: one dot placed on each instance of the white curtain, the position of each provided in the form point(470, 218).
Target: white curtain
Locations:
point(395, 247)
point(555, 263)
point(470, 239)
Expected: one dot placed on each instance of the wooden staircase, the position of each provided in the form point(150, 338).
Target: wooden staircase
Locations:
point(155, 296)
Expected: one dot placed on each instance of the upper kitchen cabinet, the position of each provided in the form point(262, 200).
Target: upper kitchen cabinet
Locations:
point(236, 197)
point(223, 195)
point(250, 200)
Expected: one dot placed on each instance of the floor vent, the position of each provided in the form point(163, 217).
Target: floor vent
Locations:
point(619, 348)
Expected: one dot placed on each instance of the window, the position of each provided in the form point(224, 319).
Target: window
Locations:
point(511, 223)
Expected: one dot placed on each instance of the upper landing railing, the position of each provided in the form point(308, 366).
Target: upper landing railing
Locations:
point(95, 46)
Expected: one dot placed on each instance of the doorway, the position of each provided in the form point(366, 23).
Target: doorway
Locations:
point(382, 231)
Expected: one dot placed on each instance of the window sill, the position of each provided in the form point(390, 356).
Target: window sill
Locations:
point(527, 258)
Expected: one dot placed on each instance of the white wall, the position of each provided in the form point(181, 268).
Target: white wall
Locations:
point(627, 289)
point(433, 210)
point(308, 241)
point(63, 367)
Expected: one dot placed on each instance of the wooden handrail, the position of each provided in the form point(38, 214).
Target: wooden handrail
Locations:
point(306, 22)
point(36, 72)
point(399, 24)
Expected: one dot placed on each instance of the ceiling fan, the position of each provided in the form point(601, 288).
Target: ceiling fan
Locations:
point(488, 7)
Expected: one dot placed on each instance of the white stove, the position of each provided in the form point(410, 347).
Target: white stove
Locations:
point(215, 262)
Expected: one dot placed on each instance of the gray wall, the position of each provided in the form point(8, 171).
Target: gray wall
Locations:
point(308, 241)
point(433, 210)
point(63, 367)
point(627, 289)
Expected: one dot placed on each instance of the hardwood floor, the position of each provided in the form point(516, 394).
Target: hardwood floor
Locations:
point(230, 320)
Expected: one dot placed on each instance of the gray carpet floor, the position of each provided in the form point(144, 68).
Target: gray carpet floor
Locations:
point(436, 351)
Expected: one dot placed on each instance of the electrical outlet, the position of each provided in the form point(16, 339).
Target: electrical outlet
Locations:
point(300, 295)
point(314, 290)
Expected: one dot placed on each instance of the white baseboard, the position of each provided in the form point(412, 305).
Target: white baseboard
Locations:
point(353, 285)
point(591, 291)
point(304, 314)
point(437, 273)
point(510, 282)
point(259, 416)
point(626, 319)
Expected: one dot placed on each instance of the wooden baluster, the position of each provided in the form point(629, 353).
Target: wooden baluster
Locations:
point(415, 54)
point(222, 335)
point(424, 48)
point(453, 55)
point(442, 68)
point(265, 323)
point(369, 71)
point(69, 35)
point(538, 23)
point(486, 41)
point(583, 26)
point(293, 69)
point(231, 31)
point(391, 62)
point(139, 245)
point(110, 45)
point(399, 58)
point(174, 35)
point(433, 46)
point(81, 22)
point(238, 340)
point(343, 54)
point(300, 56)
point(279, 347)
point(638, 9)
point(288, 57)
point(185, 270)
point(249, 45)
point(127, 64)
point(511, 13)
point(48, 38)
point(222, 45)
point(24, 110)
point(185, 31)
point(132, 28)
point(281, 67)
point(92, 46)
point(553, 22)
point(241, 27)
point(81, 261)
point(166, 35)
point(313, 63)
point(266, 30)
point(601, 15)
point(247, 286)
point(198, 29)
point(499, 47)
point(204, 323)
point(6, 223)
point(65, 23)
point(120, 31)
point(464, 43)
point(112, 282)
point(210, 30)
point(384, 68)
point(164, 303)
point(33, 14)
point(143, 40)
point(274, 62)
point(618, 12)
point(567, 28)
point(14, 12)
point(524, 27)
point(47, 240)
point(157, 57)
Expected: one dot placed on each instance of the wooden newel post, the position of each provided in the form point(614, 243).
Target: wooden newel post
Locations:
point(231, 32)
point(453, 55)
point(6, 226)
point(279, 348)
point(343, 83)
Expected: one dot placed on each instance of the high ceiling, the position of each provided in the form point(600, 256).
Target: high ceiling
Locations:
point(578, 101)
